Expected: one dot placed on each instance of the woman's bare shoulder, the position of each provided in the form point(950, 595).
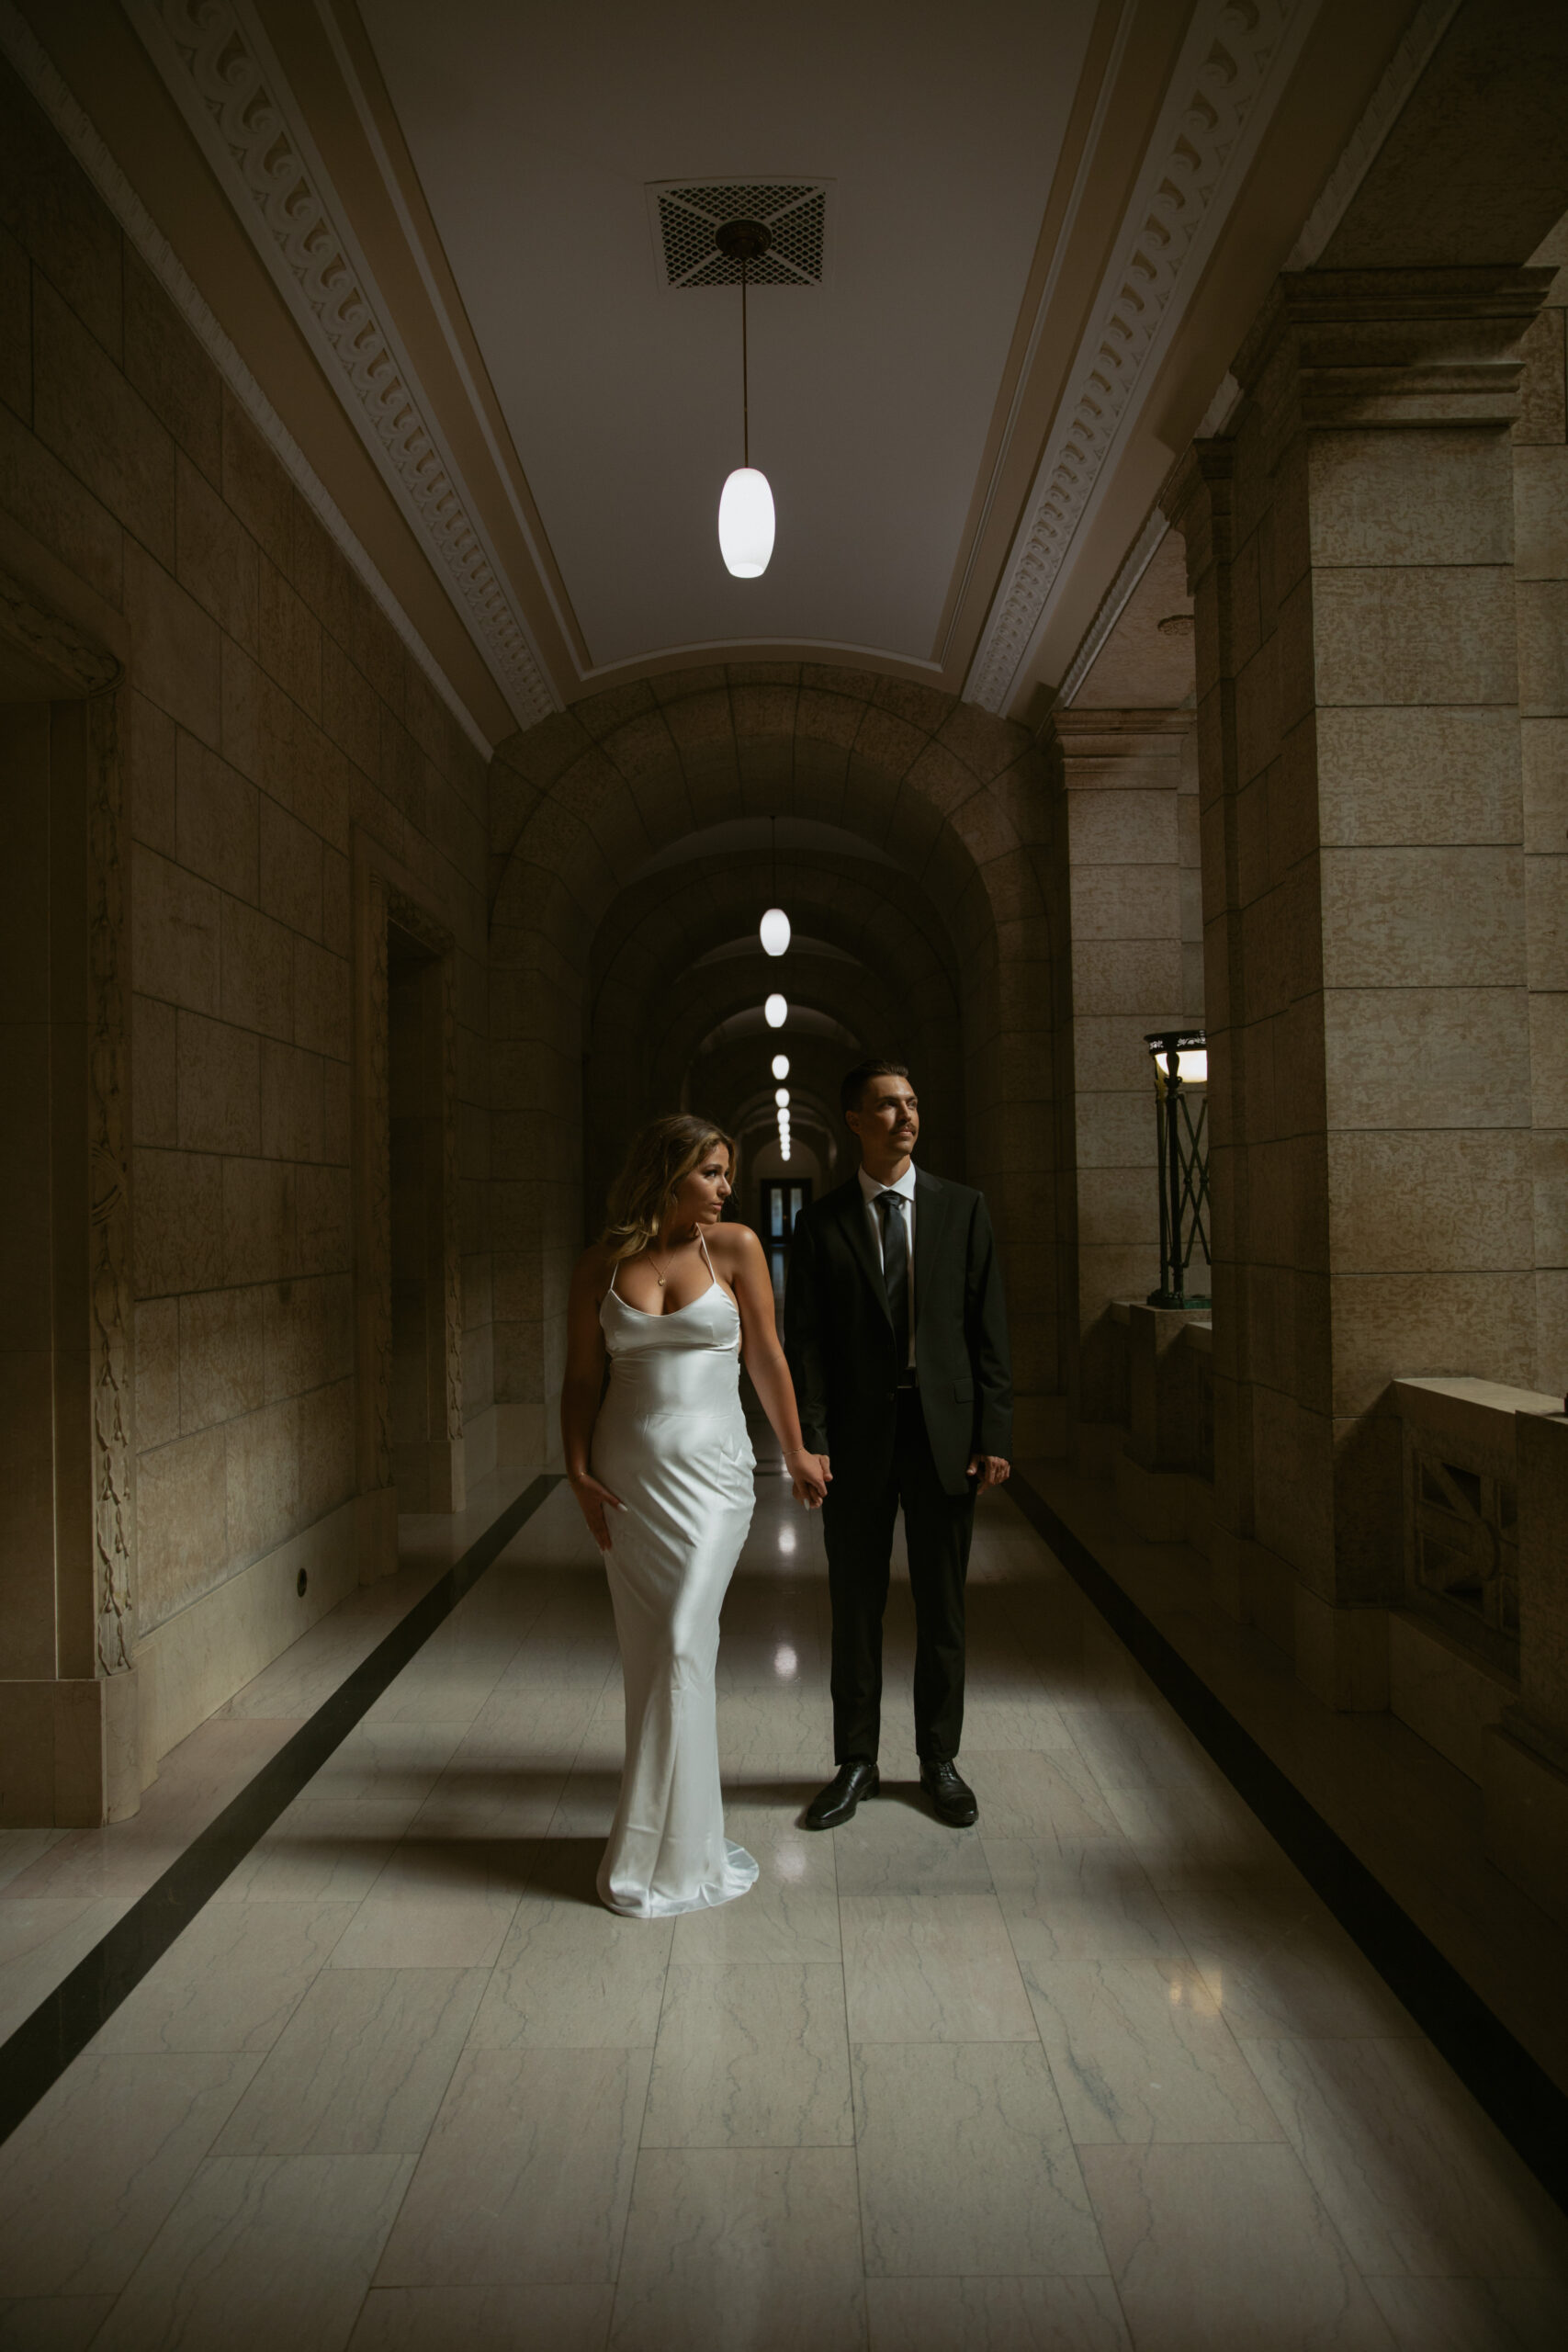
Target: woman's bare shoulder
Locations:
point(734, 1246)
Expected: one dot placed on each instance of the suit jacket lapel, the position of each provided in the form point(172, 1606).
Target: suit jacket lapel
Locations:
point(852, 1215)
point(930, 1216)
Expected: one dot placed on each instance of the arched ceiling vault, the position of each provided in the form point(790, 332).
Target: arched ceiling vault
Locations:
point(955, 800)
point(1048, 230)
point(647, 943)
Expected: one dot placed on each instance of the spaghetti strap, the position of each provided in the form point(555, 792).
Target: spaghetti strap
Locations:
point(615, 1294)
point(706, 1260)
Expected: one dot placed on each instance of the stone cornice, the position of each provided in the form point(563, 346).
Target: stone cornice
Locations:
point(1119, 720)
point(37, 71)
point(1231, 50)
point(1369, 349)
point(82, 667)
point(218, 64)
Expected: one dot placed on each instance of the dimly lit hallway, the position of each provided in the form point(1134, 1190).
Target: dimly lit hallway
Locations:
point(1100, 2073)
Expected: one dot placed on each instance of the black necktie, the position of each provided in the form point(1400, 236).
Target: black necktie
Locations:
point(895, 1271)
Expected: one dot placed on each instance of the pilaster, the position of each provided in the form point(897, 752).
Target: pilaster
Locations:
point(1350, 552)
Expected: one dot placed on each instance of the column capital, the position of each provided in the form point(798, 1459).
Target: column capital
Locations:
point(1074, 722)
point(1389, 349)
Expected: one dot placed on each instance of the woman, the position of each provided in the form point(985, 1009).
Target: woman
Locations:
point(672, 1296)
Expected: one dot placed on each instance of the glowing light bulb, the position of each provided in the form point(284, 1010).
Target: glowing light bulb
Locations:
point(781, 1096)
point(775, 1013)
point(773, 931)
point(746, 524)
point(781, 1065)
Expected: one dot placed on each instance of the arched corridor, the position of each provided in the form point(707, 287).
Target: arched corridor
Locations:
point(633, 839)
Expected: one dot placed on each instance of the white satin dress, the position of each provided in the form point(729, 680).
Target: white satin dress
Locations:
point(671, 1443)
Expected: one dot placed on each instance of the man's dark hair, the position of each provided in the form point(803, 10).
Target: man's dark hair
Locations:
point(855, 1081)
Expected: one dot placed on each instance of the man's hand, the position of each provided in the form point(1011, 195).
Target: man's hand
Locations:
point(810, 1478)
point(989, 1468)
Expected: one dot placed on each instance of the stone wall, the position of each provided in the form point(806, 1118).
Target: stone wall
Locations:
point(275, 733)
point(1540, 591)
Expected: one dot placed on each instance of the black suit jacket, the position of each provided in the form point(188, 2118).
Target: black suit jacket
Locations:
point(839, 1334)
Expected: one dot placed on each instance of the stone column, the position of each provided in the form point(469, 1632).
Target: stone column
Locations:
point(1129, 837)
point(69, 1697)
point(1351, 550)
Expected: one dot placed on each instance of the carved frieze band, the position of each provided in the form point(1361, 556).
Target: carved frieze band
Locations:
point(210, 53)
point(1237, 42)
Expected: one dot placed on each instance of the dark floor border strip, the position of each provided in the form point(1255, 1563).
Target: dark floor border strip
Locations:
point(1516, 2092)
point(35, 2056)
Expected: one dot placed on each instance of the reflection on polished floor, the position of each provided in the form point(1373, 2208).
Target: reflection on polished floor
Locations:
point(1102, 2073)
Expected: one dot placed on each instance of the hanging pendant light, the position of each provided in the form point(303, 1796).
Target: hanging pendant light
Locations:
point(746, 504)
point(775, 1013)
point(781, 1065)
point(774, 929)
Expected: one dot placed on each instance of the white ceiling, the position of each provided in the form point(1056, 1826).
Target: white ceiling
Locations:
point(535, 129)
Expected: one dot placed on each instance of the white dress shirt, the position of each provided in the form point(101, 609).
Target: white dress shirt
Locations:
point(905, 1190)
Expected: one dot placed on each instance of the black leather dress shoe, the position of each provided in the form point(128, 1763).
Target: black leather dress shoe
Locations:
point(838, 1801)
point(952, 1797)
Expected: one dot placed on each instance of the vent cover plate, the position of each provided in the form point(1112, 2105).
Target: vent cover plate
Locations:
point(686, 212)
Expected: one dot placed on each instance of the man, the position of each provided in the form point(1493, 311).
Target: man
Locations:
point(895, 1331)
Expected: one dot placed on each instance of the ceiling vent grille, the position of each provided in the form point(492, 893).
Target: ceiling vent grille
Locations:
point(795, 212)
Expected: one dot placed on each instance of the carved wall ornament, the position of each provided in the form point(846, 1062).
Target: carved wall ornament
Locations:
point(108, 1238)
point(1233, 50)
point(19, 44)
point(217, 61)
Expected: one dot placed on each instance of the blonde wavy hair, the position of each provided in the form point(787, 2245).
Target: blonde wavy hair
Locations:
point(661, 1159)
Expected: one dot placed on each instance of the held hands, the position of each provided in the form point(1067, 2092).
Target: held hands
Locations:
point(592, 1499)
point(989, 1468)
point(810, 1476)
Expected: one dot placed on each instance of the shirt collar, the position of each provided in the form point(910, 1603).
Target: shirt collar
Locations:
point(905, 1186)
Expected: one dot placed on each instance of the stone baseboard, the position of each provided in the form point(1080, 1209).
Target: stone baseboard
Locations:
point(1450, 1698)
point(1165, 1506)
point(187, 1667)
point(1526, 1799)
point(478, 1444)
point(69, 1752)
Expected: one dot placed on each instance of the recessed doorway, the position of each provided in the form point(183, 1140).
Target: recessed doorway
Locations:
point(783, 1198)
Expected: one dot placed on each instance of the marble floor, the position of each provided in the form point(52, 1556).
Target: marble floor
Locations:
point(1101, 2073)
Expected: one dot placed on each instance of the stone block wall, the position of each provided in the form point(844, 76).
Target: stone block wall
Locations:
point(273, 731)
point(1540, 591)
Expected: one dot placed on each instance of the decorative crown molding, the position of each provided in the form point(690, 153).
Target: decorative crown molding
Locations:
point(1231, 48)
point(37, 71)
point(217, 62)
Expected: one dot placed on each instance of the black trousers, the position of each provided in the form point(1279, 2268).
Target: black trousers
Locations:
point(858, 1525)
